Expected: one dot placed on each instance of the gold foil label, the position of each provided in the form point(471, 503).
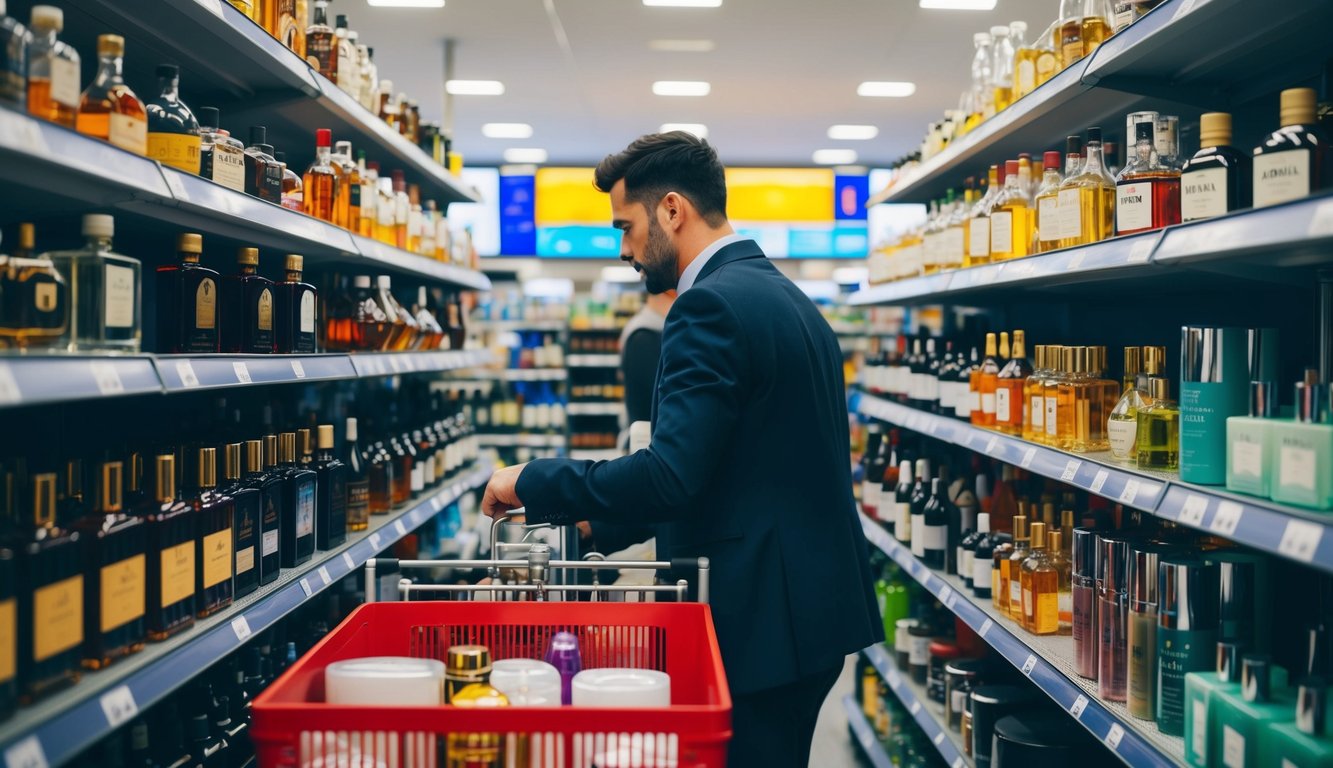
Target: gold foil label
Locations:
point(178, 150)
point(229, 167)
point(122, 599)
point(206, 304)
point(177, 573)
point(217, 558)
point(265, 310)
point(57, 618)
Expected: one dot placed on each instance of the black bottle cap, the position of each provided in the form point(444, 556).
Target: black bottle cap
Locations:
point(1228, 660)
point(341, 21)
point(1264, 400)
point(209, 117)
point(1094, 134)
point(1256, 682)
point(1311, 706)
point(1186, 594)
point(1143, 132)
point(198, 728)
point(279, 156)
point(265, 148)
point(989, 704)
point(258, 134)
point(1035, 738)
point(168, 70)
point(1073, 145)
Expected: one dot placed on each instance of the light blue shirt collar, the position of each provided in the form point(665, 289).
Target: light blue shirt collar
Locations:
point(691, 272)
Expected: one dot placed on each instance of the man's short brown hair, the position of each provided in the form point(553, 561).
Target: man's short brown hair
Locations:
point(658, 163)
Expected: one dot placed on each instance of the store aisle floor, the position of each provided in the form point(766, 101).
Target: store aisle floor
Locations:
point(832, 748)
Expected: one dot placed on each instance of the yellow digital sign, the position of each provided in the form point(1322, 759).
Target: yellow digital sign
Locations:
point(567, 196)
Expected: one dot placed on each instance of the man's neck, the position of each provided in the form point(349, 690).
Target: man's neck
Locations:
point(696, 244)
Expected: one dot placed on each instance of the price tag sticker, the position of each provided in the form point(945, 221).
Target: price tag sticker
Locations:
point(22, 132)
point(985, 628)
point(240, 627)
point(1076, 261)
point(1226, 518)
point(1114, 736)
point(26, 754)
point(9, 386)
point(1080, 704)
point(1098, 481)
point(348, 561)
point(1130, 492)
point(1141, 251)
point(1030, 664)
point(298, 370)
point(375, 542)
point(894, 678)
point(1301, 540)
point(1321, 223)
point(324, 576)
point(305, 587)
point(1071, 469)
point(395, 364)
point(916, 706)
point(118, 705)
point(939, 738)
point(992, 444)
point(925, 576)
point(1193, 510)
point(1028, 456)
point(107, 378)
point(185, 372)
point(408, 365)
point(436, 504)
point(398, 526)
point(946, 595)
point(242, 372)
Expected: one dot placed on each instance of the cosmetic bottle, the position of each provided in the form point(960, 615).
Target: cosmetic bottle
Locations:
point(1200, 687)
point(1215, 374)
point(1186, 633)
point(1250, 443)
point(1304, 742)
point(1241, 716)
point(1083, 588)
point(1302, 467)
point(1141, 673)
point(1112, 615)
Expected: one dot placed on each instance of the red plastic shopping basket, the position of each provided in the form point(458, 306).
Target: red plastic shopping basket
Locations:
point(294, 728)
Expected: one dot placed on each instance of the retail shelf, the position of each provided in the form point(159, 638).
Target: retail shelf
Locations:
point(1046, 660)
point(37, 379)
point(526, 374)
point(592, 361)
point(416, 264)
point(928, 714)
point(595, 409)
point(369, 365)
point(184, 372)
point(510, 440)
point(1289, 532)
point(601, 329)
point(864, 734)
point(1254, 242)
point(596, 454)
point(519, 325)
point(54, 730)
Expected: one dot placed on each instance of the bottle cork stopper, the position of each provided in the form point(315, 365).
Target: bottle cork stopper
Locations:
point(1214, 129)
point(1298, 106)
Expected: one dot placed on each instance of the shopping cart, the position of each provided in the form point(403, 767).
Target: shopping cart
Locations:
point(293, 727)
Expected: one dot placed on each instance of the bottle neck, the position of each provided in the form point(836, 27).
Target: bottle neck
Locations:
point(321, 14)
point(1093, 162)
point(249, 269)
point(99, 243)
point(109, 70)
point(191, 259)
point(167, 87)
point(322, 155)
point(293, 276)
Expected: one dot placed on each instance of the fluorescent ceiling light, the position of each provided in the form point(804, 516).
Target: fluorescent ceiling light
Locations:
point(852, 132)
point(683, 46)
point(834, 156)
point(525, 155)
point(475, 87)
point(683, 3)
point(681, 88)
point(886, 89)
point(958, 5)
point(506, 131)
point(698, 129)
point(407, 3)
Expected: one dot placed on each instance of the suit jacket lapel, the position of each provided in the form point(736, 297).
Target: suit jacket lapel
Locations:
point(745, 249)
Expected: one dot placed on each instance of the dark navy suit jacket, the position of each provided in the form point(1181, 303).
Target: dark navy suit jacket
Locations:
point(749, 466)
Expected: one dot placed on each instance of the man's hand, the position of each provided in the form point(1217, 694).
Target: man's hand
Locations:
point(501, 495)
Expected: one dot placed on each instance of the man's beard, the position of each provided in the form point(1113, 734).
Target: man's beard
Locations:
point(659, 261)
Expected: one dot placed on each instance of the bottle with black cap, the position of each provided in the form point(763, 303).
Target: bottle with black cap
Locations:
point(1304, 742)
point(1037, 738)
point(934, 531)
point(1186, 633)
point(1302, 467)
point(263, 175)
point(173, 131)
point(1240, 716)
point(215, 513)
point(1250, 442)
point(920, 496)
point(975, 563)
point(297, 542)
point(247, 506)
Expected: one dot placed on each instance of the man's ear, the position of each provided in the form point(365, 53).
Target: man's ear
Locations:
point(672, 211)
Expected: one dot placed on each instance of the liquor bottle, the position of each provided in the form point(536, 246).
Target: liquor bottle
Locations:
point(114, 572)
point(247, 503)
point(1157, 437)
point(173, 131)
point(385, 205)
point(402, 209)
point(869, 492)
point(104, 296)
point(50, 589)
point(1147, 189)
point(320, 179)
point(321, 43)
point(1034, 396)
point(1063, 566)
point(1011, 219)
point(285, 20)
point(414, 218)
point(1085, 24)
point(1037, 620)
point(900, 521)
point(1303, 741)
point(967, 401)
point(980, 95)
point(263, 175)
point(405, 466)
point(933, 532)
point(295, 303)
point(347, 73)
point(247, 308)
point(981, 559)
point(53, 69)
point(297, 541)
point(35, 310)
point(214, 559)
point(920, 495)
point(982, 386)
point(1217, 179)
point(1068, 418)
point(221, 157)
point(405, 327)
point(266, 478)
point(11, 481)
point(1088, 198)
point(431, 331)
point(331, 503)
point(1122, 424)
point(1289, 164)
point(1003, 547)
point(978, 224)
point(1102, 394)
point(1011, 582)
point(370, 77)
point(369, 173)
point(187, 301)
point(381, 479)
point(1010, 409)
point(1187, 590)
point(13, 62)
point(172, 527)
point(108, 109)
point(953, 240)
point(1048, 222)
point(968, 504)
point(358, 482)
point(293, 191)
point(347, 191)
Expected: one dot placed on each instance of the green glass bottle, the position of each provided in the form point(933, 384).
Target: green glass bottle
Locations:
point(1186, 633)
point(1305, 742)
point(1158, 432)
point(1242, 716)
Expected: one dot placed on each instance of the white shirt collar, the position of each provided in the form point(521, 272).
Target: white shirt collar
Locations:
point(691, 272)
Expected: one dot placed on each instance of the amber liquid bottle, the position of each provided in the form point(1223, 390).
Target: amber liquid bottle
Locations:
point(10, 482)
point(51, 595)
point(1010, 408)
point(173, 131)
point(35, 310)
point(214, 561)
point(109, 110)
point(263, 173)
point(187, 302)
point(247, 505)
point(172, 534)
point(53, 69)
point(983, 384)
point(321, 44)
point(267, 480)
point(296, 306)
point(1147, 190)
point(331, 485)
point(115, 572)
point(247, 308)
point(320, 181)
point(358, 482)
point(347, 192)
point(298, 490)
point(381, 480)
point(1011, 585)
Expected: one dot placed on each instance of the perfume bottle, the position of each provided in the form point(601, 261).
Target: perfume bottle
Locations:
point(1216, 366)
point(1250, 442)
point(1083, 590)
point(53, 69)
point(173, 130)
point(1147, 189)
point(1088, 198)
point(109, 110)
point(1157, 436)
point(115, 571)
point(1112, 622)
point(247, 308)
point(320, 177)
point(1200, 714)
point(214, 558)
point(331, 518)
point(1289, 164)
point(1011, 583)
point(50, 588)
point(1063, 603)
point(248, 509)
point(104, 293)
point(1038, 581)
point(1141, 672)
point(1010, 409)
point(263, 174)
point(221, 156)
point(358, 481)
point(297, 542)
point(187, 301)
point(35, 310)
point(1242, 717)
point(1217, 180)
point(1302, 466)
point(296, 303)
point(172, 535)
point(1186, 633)
point(1123, 421)
point(265, 478)
point(1303, 742)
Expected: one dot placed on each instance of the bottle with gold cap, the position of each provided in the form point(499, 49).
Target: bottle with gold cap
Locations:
point(1217, 179)
point(1103, 393)
point(50, 589)
point(1289, 163)
point(1058, 372)
point(1157, 437)
point(1011, 583)
point(1010, 410)
point(248, 300)
point(465, 665)
point(262, 474)
point(983, 382)
point(480, 750)
point(298, 522)
point(1034, 395)
point(187, 301)
point(108, 109)
point(114, 571)
point(214, 559)
point(331, 493)
point(246, 505)
point(297, 305)
point(1074, 366)
point(1033, 618)
point(35, 311)
point(172, 536)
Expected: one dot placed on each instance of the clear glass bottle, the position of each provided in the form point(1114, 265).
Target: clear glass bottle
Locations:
point(1047, 221)
point(296, 302)
point(1147, 189)
point(384, 212)
point(930, 239)
point(1123, 422)
point(1088, 199)
point(35, 311)
point(173, 131)
point(1071, 419)
point(14, 40)
point(1010, 385)
point(1290, 162)
point(369, 195)
point(1217, 180)
point(432, 334)
point(1060, 361)
point(1034, 396)
point(187, 301)
point(414, 219)
point(346, 74)
point(402, 209)
point(320, 178)
point(982, 99)
point(221, 157)
point(1002, 68)
point(1158, 433)
point(53, 69)
point(1011, 219)
point(293, 191)
point(1063, 566)
point(347, 193)
point(953, 241)
point(978, 223)
point(109, 110)
point(370, 77)
point(1085, 24)
point(104, 291)
point(285, 20)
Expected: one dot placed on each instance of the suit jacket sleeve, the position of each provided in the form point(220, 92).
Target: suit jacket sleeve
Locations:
point(704, 377)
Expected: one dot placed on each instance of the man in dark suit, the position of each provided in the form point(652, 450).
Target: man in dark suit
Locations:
point(749, 463)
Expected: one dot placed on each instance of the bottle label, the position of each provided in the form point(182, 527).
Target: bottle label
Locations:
point(178, 150)
point(1047, 65)
point(65, 88)
point(980, 238)
point(933, 537)
point(288, 27)
point(1247, 458)
point(270, 544)
point(1071, 225)
point(1038, 422)
point(119, 298)
point(8, 639)
point(902, 522)
point(245, 560)
point(988, 403)
point(920, 651)
point(1026, 604)
point(1123, 14)
point(1071, 49)
point(1233, 748)
point(122, 599)
point(206, 305)
point(46, 296)
point(1199, 735)
point(1133, 208)
point(130, 133)
point(319, 53)
point(265, 310)
point(217, 561)
point(308, 312)
point(1051, 420)
point(1203, 194)
point(1122, 433)
point(1001, 232)
point(963, 561)
point(1025, 78)
point(229, 167)
point(57, 623)
point(13, 81)
point(305, 510)
point(416, 480)
point(348, 78)
point(358, 502)
point(919, 535)
point(1281, 176)
point(1047, 613)
point(951, 247)
point(271, 186)
point(1002, 405)
point(1015, 590)
point(1048, 218)
point(981, 572)
point(974, 403)
point(869, 494)
point(1296, 467)
point(177, 573)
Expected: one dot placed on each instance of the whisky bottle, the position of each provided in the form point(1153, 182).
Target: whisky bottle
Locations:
point(1123, 422)
point(1217, 179)
point(105, 291)
point(432, 333)
point(214, 557)
point(369, 173)
point(414, 220)
point(187, 301)
point(1034, 396)
point(1088, 198)
point(347, 191)
point(1058, 371)
point(1103, 393)
point(247, 7)
point(1064, 599)
point(172, 537)
point(286, 22)
point(1010, 384)
point(320, 179)
point(1158, 434)
point(109, 110)
point(1073, 378)
point(358, 482)
point(173, 131)
point(1289, 164)
point(265, 478)
point(221, 157)
point(346, 74)
point(13, 65)
point(1006, 217)
point(321, 44)
point(247, 308)
point(402, 455)
point(1011, 577)
point(403, 335)
point(982, 386)
point(53, 69)
point(51, 592)
point(1002, 68)
point(402, 209)
point(1085, 24)
point(297, 542)
point(1147, 189)
point(34, 312)
point(293, 191)
point(263, 175)
point(1034, 620)
point(10, 484)
point(384, 212)
point(382, 479)
point(114, 572)
point(331, 484)
point(978, 226)
point(1048, 222)
point(247, 503)
point(387, 108)
point(296, 303)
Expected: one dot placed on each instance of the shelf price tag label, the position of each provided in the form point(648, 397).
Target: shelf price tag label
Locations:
point(1114, 736)
point(23, 132)
point(1130, 492)
point(1028, 456)
point(939, 738)
point(1301, 540)
point(1098, 481)
point(1226, 518)
point(894, 678)
point(174, 183)
point(916, 706)
point(957, 762)
point(992, 444)
point(240, 627)
point(305, 587)
point(398, 526)
point(118, 705)
point(394, 364)
point(107, 378)
point(1030, 664)
point(26, 754)
point(185, 372)
point(436, 504)
point(408, 365)
point(324, 576)
point(348, 561)
point(298, 370)
point(1071, 469)
point(9, 386)
point(1080, 704)
point(242, 372)
point(375, 542)
point(985, 628)
point(946, 595)
point(1193, 510)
